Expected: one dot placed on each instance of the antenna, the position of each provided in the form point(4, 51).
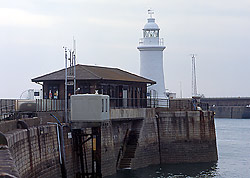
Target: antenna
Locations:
point(66, 84)
point(70, 75)
point(74, 63)
point(194, 85)
point(180, 90)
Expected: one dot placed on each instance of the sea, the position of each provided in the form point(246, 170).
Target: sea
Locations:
point(233, 145)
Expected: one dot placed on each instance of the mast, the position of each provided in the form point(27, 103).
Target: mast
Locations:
point(194, 84)
point(70, 74)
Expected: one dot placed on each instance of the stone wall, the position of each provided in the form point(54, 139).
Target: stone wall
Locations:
point(227, 101)
point(7, 164)
point(236, 112)
point(237, 107)
point(187, 137)
point(178, 137)
point(34, 152)
point(147, 152)
point(165, 137)
point(112, 136)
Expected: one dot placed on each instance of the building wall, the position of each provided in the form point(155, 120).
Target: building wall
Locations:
point(112, 88)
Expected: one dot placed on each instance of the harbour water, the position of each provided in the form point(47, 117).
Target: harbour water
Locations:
point(233, 144)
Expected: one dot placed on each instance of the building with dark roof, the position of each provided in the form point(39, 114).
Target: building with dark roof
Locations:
point(124, 88)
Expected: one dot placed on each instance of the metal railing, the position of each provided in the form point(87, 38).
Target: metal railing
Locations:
point(7, 107)
point(187, 104)
point(138, 102)
point(46, 105)
point(145, 41)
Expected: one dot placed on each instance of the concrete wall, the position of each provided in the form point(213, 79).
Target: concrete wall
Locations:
point(229, 107)
point(172, 137)
point(237, 112)
point(187, 137)
point(234, 101)
point(147, 152)
point(34, 152)
point(132, 113)
point(183, 137)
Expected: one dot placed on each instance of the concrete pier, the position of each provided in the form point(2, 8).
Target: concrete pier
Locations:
point(133, 138)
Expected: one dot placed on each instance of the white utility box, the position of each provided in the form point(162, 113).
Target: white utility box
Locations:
point(89, 108)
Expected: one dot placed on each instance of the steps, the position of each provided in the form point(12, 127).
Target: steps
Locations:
point(130, 149)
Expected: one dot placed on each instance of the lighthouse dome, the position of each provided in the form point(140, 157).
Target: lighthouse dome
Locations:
point(151, 25)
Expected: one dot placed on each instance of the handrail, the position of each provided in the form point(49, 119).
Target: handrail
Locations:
point(7, 106)
point(159, 40)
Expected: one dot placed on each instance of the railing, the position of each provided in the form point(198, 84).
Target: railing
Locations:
point(46, 105)
point(7, 107)
point(187, 104)
point(138, 103)
point(147, 41)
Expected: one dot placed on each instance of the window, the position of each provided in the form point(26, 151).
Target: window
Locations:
point(102, 105)
point(106, 105)
point(151, 33)
point(53, 92)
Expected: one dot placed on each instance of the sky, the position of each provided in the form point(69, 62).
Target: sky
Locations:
point(107, 32)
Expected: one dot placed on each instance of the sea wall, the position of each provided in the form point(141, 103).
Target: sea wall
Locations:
point(147, 152)
point(187, 136)
point(236, 112)
point(34, 152)
point(234, 107)
point(114, 135)
point(176, 137)
point(163, 137)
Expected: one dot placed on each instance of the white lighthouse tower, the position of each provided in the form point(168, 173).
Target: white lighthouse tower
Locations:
point(151, 56)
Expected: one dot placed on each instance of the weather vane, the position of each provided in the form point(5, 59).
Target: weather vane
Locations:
point(150, 12)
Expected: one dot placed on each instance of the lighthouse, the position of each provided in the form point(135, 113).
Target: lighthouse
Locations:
point(151, 56)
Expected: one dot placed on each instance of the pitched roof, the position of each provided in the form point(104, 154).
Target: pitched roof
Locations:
point(85, 72)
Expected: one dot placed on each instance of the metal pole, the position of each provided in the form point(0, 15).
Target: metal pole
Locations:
point(66, 88)
point(63, 152)
point(61, 147)
point(74, 63)
point(59, 144)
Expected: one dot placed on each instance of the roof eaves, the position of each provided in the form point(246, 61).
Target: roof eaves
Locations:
point(38, 78)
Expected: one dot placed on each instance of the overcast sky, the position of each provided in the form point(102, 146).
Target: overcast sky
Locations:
point(107, 32)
